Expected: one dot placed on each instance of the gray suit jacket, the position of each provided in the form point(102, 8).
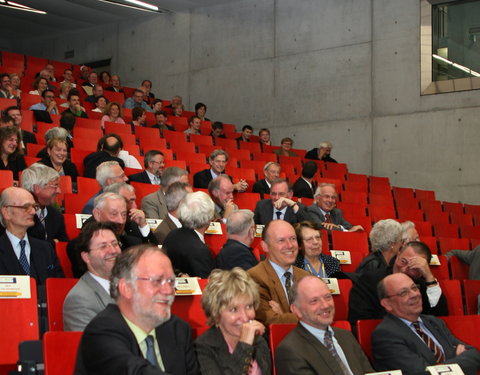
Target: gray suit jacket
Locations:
point(86, 299)
point(396, 346)
point(469, 257)
point(336, 216)
point(154, 205)
point(162, 231)
point(301, 353)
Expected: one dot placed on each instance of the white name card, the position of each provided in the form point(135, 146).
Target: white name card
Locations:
point(154, 223)
point(214, 228)
point(15, 286)
point(259, 230)
point(332, 285)
point(81, 219)
point(451, 369)
point(342, 255)
point(392, 372)
point(187, 286)
point(435, 261)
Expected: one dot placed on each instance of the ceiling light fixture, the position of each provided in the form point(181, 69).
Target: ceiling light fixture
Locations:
point(16, 6)
point(139, 5)
point(143, 4)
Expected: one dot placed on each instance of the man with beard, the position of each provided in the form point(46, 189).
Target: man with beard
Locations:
point(138, 334)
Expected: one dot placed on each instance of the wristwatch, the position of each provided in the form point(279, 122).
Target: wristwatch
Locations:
point(428, 283)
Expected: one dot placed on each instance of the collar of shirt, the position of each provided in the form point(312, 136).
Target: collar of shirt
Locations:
point(214, 175)
point(201, 236)
point(153, 178)
point(175, 220)
point(268, 184)
point(15, 241)
point(317, 332)
point(283, 211)
point(105, 284)
point(308, 182)
point(45, 212)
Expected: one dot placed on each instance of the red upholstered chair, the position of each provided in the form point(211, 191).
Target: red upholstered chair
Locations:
point(60, 352)
point(61, 251)
point(426, 195)
point(461, 327)
point(364, 333)
point(190, 309)
point(57, 290)
point(351, 241)
point(448, 243)
point(441, 271)
point(458, 269)
point(453, 293)
point(472, 291)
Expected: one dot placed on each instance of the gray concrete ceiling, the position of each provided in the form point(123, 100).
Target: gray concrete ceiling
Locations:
point(80, 14)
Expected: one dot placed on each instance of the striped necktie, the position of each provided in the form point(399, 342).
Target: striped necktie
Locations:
point(437, 352)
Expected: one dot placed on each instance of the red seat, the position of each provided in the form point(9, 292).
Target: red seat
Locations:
point(61, 251)
point(400, 193)
point(431, 242)
point(461, 327)
point(441, 271)
point(60, 352)
point(170, 135)
point(176, 163)
point(445, 230)
point(247, 200)
point(377, 213)
point(447, 243)
point(120, 129)
point(364, 333)
point(57, 290)
point(383, 199)
point(359, 197)
point(189, 308)
point(6, 179)
point(352, 209)
point(453, 207)
point(472, 291)
point(74, 203)
point(226, 143)
point(351, 241)
point(215, 242)
point(250, 146)
point(472, 209)
point(461, 218)
point(407, 213)
point(88, 133)
point(201, 139)
point(458, 269)
point(87, 144)
point(5, 103)
point(71, 226)
point(264, 156)
point(141, 190)
point(357, 182)
point(88, 123)
point(437, 217)
point(182, 146)
point(341, 300)
point(424, 228)
point(356, 258)
point(87, 186)
point(379, 185)
point(469, 231)
point(453, 293)
point(430, 206)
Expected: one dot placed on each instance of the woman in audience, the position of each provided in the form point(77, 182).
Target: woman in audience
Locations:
point(105, 79)
point(234, 343)
point(65, 88)
point(200, 111)
point(100, 104)
point(11, 152)
point(139, 116)
point(112, 113)
point(40, 85)
point(286, 144)
point(178, 110)
point(264, 135)
point(310, 256)
point(15, 83)
point(57, 149)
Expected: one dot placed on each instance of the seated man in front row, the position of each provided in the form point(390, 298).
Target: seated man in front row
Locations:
point(410, 341)
point(314, 347)
point(138, 334)
point(323, 210)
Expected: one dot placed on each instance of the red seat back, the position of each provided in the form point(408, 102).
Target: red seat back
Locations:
point(57, 290)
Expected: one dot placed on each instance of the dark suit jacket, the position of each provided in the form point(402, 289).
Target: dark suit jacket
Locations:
point(336, 216)
point(261, 187)
point(301, 189)
point(92, 161)
point(162, 231)
point(202, 179)
point(188, 253)
point(264, 213)
point(140, 177)
point(108, 347)
point(69, 168)
point(214, 357)
point(396, 346)
point(43, 260)
point(15, 165)
point(301, 353)
point(270, 288)
point(313, 155)
point(54, 227)
point(28, 137)
point(236, 254)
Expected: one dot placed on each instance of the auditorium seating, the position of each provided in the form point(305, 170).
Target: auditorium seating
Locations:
point(60, 352)
point(57, 290)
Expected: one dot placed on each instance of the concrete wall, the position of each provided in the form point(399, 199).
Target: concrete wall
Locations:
point(347, 71)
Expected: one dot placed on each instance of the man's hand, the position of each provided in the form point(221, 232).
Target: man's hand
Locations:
point(421, 265)
point(52, 106)
point(138, 217)
point(228, 209)
point(356, 228)
point(330, 226)
point(460, 349)
point(283, 202)
point(240, 186)
point(275, 307)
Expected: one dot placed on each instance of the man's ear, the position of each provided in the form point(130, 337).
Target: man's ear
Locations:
point(294, 309)
point(264, 246)
point(125, 289)
point(385, 302)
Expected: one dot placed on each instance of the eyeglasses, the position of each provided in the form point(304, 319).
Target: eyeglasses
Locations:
point(53, 186)
point(159, 281)
point(105, 245)
point(26, 206)
point(405, 292)
point(311, 239)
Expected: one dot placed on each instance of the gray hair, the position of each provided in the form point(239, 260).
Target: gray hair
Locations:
point(321, 186)
point(6, 199)
point(293, 295)
point(38, 174)
point(269, 164)
point(175, 194)
point(325, 144)
point(216, 153)
point(117, 186)
point(56, 132)
point(171, 175)
point(104, 172)
point(196, 210)
point(406, 225)
point(214, 184)
point(240, 221)
point(100, 201)
point(384, 234)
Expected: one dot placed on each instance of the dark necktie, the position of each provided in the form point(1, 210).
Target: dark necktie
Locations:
point(327, 339)
point(279, 214)
point(437, 352)
point(327, 218)
point(151, 357)
point(288, 283)
point(23, 257)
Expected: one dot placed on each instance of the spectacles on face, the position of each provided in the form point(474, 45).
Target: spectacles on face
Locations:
point(159, 281)
point(327, 196)
point(405, 292)
point(54, 187)
point(26, 207)
point(105, 245)
point(313, 238)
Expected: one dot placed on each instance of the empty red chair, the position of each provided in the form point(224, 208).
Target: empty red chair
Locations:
point(247, 200)
point(437, 218)
point(352, 209)
point(341, 300)
point(357, 182)
point(458, 269)
point(461, 218)
point(472, 209)
point(174, 136)
point(424, 228)
point(67, 344)
point(453, 207)
point(87, 186)
point(430, 206)
point(74, 203)
point(182, 146)
point(379, 185)
point(402, 193)
point(57, 290)
point(351, 241)
point(469, 231)
point(425, 195)
point(226, 143)
point(446, 244)
point(461, 327)
point(70, 227)
point(264, 156)
point(250, 146)
point(453, 293)
point(431, 242)
point(472, 291)
point(359, 197)
point(190, 309)
point(88, 123)
point(377, 213)
point(381, 199)
point(201, 139)
point(6, 178)
point(445, 230)
point(356, 258)
point(412, 214)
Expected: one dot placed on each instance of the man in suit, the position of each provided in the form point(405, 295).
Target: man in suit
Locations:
point(280, 205)
point(218, 160)
point(154, 205)
point(408, 340)
point(15, 113)
point(276, 274)
point(108, 149)
point(237, 251)
point(174, 195)
point(44, 184)
point(116, 85)
point(138, 334)
point(310, 348)
point(472, 258)
point(221, 192)
point(323, 210)
point(321, 153)
point(304, 187)
point(21, 254)
point(186, 246)
point(271, 171)
point(98, 246)
point(413, 260)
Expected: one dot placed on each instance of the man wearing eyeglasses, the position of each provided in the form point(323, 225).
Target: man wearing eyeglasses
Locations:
point(408, 340)
point(138, 334)
point(21, 254)
point(99, 247)
point(47, 104)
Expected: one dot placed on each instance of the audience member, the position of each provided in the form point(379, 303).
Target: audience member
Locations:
point(91, 81)
point(44, 184)
point(97, 91)
point(40, 85)
point(99, 247)
point(11, 153)
point(112, 113)
point(217, 130)
point(413, 260)
point(410, 341)
point(105, 78)
point(147, 84)
point(15, 113)
point(385, 241)
point(409, 233)
point(47, 103)
point(22, 254)
point(57, 152)
point(310, 257)
point(286, 148)
point(136, 101)
point(161, 121)
point(271, 171)
point(55, 132)
point(176, 100)
point(51, 71)
point(280, 205)
point(247, 132)
point(177, 111)
point(186, 246)
point(108, 148)
point(68, 77)
point(65, 88)
point(138, 334)
point(74, 105)
point(200, 111)
point(324, 212)
point(139, 116)
point(116, 85)
point(6, 86)
point(470, 257)
point(321, 153)
point(234, 342)
point(305, 186)
point(15, 82)
point(240, 234)
point(100, 104)
point(157, 105)
point(264, 135)
point(194, 125)
point(221, 192)
point(154, 162)
point(173, 196)
point(276, 274)
point(314, 346)
point(154, 205)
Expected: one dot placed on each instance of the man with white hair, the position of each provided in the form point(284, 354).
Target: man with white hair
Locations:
point(186, 246)
point(409, 232)
point(321, 153)
point(138, 334)
point(271, 171)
